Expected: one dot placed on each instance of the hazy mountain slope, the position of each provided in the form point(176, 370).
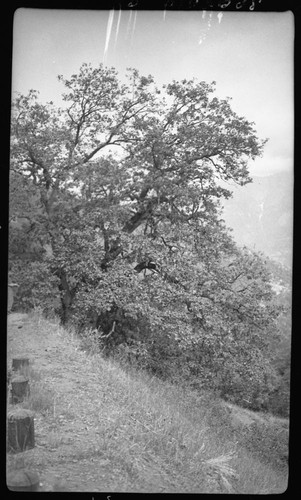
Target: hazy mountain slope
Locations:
point(261, 215)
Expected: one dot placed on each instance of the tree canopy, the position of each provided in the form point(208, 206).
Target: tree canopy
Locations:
point(116, 210)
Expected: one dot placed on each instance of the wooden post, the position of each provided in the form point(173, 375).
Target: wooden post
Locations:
point(19, 389)
point(20, 430)
point(20, 364)
point(23, 480)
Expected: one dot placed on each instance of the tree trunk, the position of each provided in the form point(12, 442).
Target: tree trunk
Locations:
point(66, 297)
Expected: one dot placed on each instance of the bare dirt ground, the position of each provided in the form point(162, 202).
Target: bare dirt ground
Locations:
point(66, 454)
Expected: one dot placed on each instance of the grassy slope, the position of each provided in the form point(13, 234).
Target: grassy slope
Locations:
point(134, 431)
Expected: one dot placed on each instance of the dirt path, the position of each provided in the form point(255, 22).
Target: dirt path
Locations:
point(67, 449)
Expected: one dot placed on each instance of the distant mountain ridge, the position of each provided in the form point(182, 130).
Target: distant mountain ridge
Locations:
point(261, 215)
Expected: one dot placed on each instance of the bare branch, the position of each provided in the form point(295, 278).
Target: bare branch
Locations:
point(110, 332)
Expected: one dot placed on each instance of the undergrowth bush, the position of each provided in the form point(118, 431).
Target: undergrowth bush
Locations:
point(37, 287)
point(279, 399)
point(250, 386)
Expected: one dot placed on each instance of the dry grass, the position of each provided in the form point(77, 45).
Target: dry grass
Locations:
point(148, 430)
point(256, 477)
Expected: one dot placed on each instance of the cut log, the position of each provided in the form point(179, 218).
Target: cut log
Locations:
point(20, 364)
point(20, 430)
point(19, 389)
point(23, 480)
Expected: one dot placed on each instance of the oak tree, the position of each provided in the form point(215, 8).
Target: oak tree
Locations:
point(129, 180)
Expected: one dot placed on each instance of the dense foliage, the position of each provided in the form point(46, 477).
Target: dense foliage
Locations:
point(116, 225)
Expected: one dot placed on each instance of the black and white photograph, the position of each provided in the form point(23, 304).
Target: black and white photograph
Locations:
point(150, 250)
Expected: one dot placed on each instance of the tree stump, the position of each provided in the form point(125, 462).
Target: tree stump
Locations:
point(20, 364)
point(23, 480)
point(20, 430)
point(19, 389)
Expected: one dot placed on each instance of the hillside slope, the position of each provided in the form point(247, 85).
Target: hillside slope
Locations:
point(261, 215)
point(99, 428)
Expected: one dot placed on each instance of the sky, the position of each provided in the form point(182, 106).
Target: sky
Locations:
point(248, 54)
